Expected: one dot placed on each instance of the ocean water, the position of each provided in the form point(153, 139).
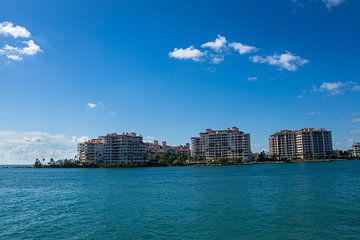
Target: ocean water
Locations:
point(279, 201)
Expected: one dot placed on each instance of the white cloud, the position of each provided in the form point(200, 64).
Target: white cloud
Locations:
point(334, 88)
point(217, 59)
point(81, 139)
point(189, 53)
point(252, 79)
point(219, 48)
point(8, 29)
point(17, 53)
point(313, 113)
point(217, 45)
point(31, 48)
point(92, 105)
point(149, 139)
point(337, 88)
point(332, 3)
point(242, 48)
point(286, 61)
point(14, 57)
point(18, 147)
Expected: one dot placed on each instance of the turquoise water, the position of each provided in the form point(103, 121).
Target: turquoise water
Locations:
point(284, 201)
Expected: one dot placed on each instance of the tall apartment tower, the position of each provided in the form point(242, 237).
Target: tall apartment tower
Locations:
point(282, 144)
point(314, 143)
point(231, 144)
point(91, 151)
point(304, 143)
point(114, 148)
point(196, 148)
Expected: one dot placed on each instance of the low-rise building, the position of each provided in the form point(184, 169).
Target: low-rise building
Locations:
point(154, 148)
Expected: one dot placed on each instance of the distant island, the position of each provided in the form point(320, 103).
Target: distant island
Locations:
point(212, 147)
point(173, 161)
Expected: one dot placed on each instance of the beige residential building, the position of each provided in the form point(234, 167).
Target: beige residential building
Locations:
point(114, 148)
point(196, 147)
point(91, 151)
point(304, 143)
point(154, 148)
point(282, 144)
point(231, 144)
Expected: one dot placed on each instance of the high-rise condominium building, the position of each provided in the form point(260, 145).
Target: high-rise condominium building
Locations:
point(304, 143)
point(91, 151)
point(114, 148)
point(282, 144)
point(231, 144)
point(356, 149)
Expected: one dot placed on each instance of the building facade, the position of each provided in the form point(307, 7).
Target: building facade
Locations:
point(304, 143)
point(91, 151)
point(356, 150)
point(231, 144)
point(154, 148)
point(282, 144)
point(114, 148)
point(196, 147)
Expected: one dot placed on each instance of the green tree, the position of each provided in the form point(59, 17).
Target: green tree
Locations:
point(38, 163)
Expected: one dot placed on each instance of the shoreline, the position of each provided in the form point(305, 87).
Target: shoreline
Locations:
point(150, 165)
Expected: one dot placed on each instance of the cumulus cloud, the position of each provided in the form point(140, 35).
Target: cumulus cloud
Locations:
point(335, 88)
point(17, 147)
point(189, 53)
point(338, 88)
point(219, 48)
point(242, 48)
point(23, 48)
point(92, 105)
point(14, 57)
point(17, 53)
point(217, 59)
point(8, 29)
point(217, 45)
point(149, 139)
point(286, 61)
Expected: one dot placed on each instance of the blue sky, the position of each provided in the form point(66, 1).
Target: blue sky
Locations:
point(170, 69)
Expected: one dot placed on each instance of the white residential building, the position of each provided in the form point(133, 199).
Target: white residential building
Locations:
point(231, 144)
point(114, 148)
point(304, 143)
